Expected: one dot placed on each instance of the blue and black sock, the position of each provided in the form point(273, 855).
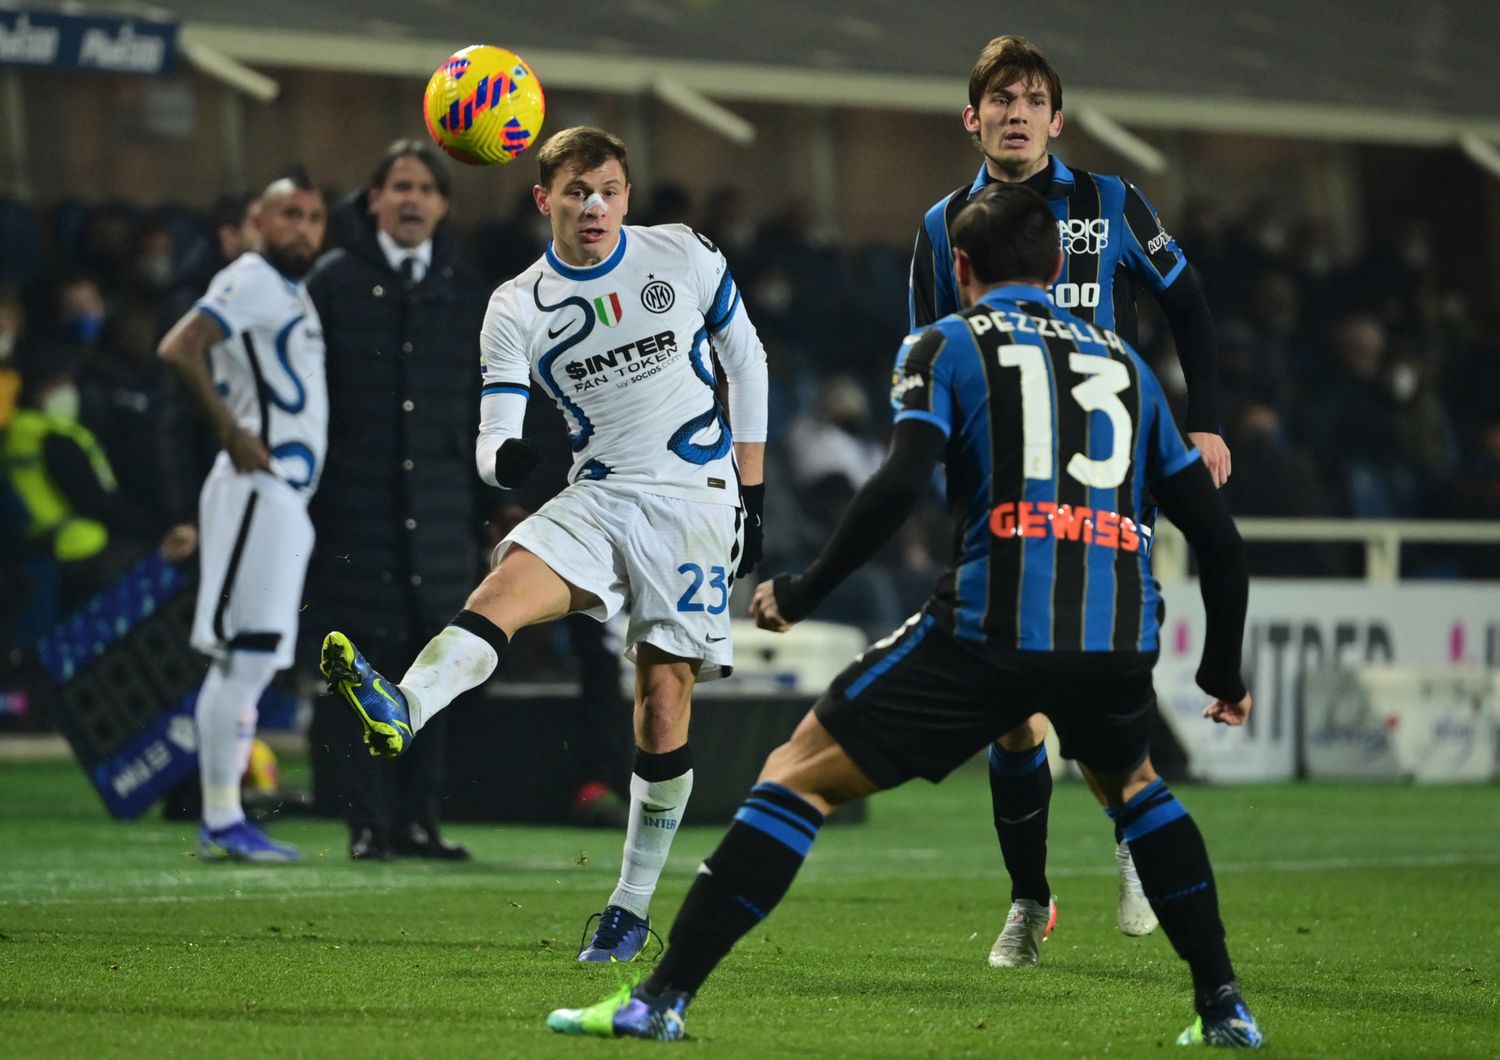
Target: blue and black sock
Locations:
point(738, 886)
point(1172, 861)
point(1020, 793)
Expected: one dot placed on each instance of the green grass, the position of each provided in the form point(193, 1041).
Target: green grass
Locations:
point(1363, 920)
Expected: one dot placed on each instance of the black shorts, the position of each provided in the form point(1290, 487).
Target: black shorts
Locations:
point(921, 702)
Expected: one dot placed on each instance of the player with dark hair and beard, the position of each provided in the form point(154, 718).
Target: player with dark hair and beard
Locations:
point(255, 338)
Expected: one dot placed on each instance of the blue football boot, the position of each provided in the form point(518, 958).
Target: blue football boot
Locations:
point(618, 937)
point(378, 704)
point(243, 842)
point(1227, 1024)
point(626, 1014)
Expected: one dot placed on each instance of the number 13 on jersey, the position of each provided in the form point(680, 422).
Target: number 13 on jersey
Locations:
point(1099, 392)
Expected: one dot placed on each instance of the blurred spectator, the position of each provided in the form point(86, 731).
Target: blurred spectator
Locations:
point(12, 327)
point(77, 529)
point(1272, 479)
point(726, 220)
point(506, 247)
point(670, 204)
point(397, 512)
point(120, 388)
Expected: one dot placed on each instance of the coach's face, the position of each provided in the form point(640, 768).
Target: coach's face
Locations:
point(291, 222)
point(1015, 125)
point(409, 206)
point(586, 210)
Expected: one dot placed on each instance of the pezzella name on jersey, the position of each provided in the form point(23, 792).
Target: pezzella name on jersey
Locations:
point(625, 364)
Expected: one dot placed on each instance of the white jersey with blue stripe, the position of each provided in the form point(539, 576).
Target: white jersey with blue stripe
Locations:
point(269, 365)
point(627, 348)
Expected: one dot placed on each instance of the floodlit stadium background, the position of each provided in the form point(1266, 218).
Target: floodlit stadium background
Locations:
point(1332, 170)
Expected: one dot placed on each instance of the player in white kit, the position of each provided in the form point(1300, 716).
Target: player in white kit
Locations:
point(267, 400)
point(622, 327)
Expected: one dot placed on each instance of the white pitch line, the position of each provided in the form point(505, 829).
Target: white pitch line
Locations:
point(468, 882)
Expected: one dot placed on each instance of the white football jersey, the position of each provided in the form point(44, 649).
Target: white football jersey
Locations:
point(269, 367)
point(626, 349)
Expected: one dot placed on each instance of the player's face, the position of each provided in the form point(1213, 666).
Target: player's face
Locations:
point(1015, 125)
point(291, 228)
point(409, 205)
point(586, 211)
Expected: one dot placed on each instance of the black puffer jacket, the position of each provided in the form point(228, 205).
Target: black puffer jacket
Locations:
point(398, 510)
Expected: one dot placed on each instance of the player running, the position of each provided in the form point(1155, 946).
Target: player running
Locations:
point(259, 327)
point(1113, 242)
point(620, 326)
point(1053, 429)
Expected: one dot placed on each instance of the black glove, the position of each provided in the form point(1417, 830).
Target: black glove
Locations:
point(515, 460)
point(754, 500)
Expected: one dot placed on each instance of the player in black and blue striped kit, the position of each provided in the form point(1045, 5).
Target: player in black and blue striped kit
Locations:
point(1113, 245)
point(1051, 429)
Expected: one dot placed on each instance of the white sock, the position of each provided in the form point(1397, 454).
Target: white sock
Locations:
point(226, 715)
point(453, 662)
point(655, 812)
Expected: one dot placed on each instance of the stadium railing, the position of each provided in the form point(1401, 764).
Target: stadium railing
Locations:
point(1382, 539)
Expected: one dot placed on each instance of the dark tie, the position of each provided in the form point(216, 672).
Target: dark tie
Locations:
point(409, 272)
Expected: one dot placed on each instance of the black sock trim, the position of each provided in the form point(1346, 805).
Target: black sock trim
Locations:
point(654, 768)
point(475, 623)
point(788, 801)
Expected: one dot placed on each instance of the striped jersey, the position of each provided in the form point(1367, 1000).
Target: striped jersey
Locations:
point(269, 366)
point(626, 348)
point(1055, 429)
point(1112, 237)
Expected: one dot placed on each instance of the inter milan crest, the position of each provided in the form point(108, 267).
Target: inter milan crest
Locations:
point(658, 296)
point(607, 309)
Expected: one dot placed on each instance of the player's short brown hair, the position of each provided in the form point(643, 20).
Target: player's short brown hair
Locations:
point(1008, 232)
point(583, 148)
point(1006, 60)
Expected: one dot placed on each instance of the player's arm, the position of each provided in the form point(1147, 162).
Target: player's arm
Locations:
point(502, 456)
point(874, 515)
point(185, 349)
point(1190, 500)
point(742, 357)
point(1182, 487)
point(922, 284)
point(1155, 258)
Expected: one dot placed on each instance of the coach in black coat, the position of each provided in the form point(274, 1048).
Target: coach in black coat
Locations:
point(397, 511)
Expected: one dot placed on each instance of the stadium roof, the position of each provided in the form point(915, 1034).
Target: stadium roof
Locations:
point(1373, 70)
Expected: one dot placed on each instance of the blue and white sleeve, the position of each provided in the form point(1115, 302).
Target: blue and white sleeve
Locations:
point(505, 384)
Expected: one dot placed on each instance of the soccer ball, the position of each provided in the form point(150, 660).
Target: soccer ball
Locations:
point(483, 105)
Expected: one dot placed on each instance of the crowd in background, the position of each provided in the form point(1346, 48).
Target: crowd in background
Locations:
point(1347, 388)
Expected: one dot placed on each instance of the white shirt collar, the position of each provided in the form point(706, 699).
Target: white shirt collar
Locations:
point(395, 254)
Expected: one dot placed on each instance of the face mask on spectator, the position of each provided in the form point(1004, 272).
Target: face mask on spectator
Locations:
point(62, 403)
point(155, 271)
point(7, 345)
point(774, 295)
point(85, 327)
point(1403, 383)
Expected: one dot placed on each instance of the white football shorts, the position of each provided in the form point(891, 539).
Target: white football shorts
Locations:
point(668, 562)
point(254, 541)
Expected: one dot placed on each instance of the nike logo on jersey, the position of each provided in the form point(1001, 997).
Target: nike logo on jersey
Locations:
point(715, 640)
point(553, 334)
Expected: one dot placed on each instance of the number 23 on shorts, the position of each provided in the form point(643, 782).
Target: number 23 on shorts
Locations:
point(689, 601)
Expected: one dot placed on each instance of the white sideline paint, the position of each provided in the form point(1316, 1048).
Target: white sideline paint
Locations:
point(582, 881)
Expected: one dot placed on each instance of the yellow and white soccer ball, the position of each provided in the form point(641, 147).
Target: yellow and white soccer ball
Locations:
point(484, 105)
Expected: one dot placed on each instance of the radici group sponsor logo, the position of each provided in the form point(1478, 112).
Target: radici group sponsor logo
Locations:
point(1079, 235)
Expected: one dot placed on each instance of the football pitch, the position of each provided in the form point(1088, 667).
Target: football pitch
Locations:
point(1364, 921)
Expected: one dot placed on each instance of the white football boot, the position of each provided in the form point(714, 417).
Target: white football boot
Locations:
point(1134, 913)
point(1026, 928)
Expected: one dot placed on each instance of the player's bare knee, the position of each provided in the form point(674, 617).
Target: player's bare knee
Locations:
point(1026, 736)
